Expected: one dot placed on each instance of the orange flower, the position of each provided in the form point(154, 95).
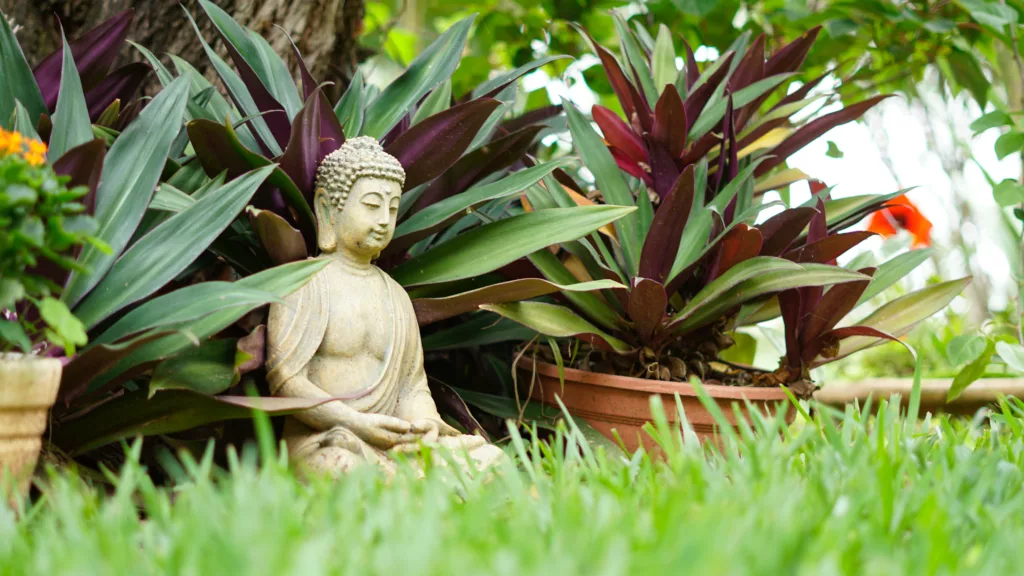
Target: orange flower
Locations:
point(901, 213)
point(36, 154)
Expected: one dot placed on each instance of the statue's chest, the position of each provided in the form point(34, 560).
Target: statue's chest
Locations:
point(360, 321)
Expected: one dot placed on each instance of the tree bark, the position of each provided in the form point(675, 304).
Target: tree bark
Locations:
point(325, 31)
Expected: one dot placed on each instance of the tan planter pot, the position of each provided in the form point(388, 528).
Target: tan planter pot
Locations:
point(28, 388)
point(619, 403)
point(985, 392)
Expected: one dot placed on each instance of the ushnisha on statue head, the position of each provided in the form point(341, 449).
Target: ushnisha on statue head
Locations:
point(358, 189)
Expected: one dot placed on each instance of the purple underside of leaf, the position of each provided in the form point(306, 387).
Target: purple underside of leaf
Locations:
point(751, 67)
point(843, 333)
point(826, 250)
point(430, 310)
point(699, 149)
point(726, 130)
point(832, 308)
point(619, 134)
point(302, 155)
point(397, 130)
point(630, 167)
point(789, 305)
point(85, 366)
point(433, 145)
point(664, 172)
point(692, 72)
point(121, 84)
point(94, 52)
point(697, 99)
point(531, 117)
point(469, 169)
point(647, 303)
point(812, 130)
point(662, 242)
point(273, 113)
point(218, 152)
point(741, 243)
point(791, 57)
point(283, 242)
point(620, 84)
point(670, 122)
point(781, 230)
point(332, 136)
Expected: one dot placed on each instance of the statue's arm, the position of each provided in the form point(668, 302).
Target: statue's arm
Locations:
point(323, 417)
point(415, 402)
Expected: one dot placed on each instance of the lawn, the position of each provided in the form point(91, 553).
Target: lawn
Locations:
point(854, 493)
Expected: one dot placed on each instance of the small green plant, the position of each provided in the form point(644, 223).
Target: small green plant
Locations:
point(44, 224)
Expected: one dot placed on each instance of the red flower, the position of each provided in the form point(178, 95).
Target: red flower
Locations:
point(901, 213)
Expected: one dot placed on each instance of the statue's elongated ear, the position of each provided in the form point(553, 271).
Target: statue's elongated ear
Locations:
point(325, 235)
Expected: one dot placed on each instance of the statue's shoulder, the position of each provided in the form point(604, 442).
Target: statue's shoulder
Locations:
point(397, 289)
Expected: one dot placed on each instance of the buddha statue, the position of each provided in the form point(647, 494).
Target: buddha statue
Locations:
point(351, 334)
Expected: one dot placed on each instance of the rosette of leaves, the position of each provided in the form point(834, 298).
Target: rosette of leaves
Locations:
point(110, 95)
point(695, 154)
point(168, 341)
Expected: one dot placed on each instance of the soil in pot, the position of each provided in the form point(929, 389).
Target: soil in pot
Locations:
point(28, 388)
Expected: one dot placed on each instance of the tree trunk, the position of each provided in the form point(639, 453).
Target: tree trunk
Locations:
point(325, 31)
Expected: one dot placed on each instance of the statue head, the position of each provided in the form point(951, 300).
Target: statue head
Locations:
point(358, 188)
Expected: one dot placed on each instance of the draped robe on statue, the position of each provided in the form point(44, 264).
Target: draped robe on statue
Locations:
point(297, 329)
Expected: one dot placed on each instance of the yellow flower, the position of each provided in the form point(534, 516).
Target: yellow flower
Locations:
point(34, 158)
point(10, 142)
point(36, 147)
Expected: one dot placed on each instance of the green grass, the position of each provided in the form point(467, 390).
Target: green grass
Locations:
point(847, 494)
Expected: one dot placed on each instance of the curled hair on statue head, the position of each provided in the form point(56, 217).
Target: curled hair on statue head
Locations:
point(360, 157)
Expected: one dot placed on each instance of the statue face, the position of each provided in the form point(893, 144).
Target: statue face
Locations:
point(367, 221)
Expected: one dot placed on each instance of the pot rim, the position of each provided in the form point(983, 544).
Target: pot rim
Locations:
point(652, 386)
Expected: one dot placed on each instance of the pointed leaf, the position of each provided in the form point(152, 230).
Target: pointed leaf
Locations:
point(349, 110)
point(828, 249)
point(130, 173)
point(432, 146)
point(494, 245)
point(18, 83)
point(478, 164)
point(815, 128)
point(893, 271)
point(670, 124)
point(456, 206)
point(121, 84)
point(278, 281)
point(93, 52)
point(430, 310)
point(662, 242)
point(759, 276)
point(492, 87)
point(608, 178)
point(898, 316)
point(831, 309)
point(245, 101)
point(219, 150)
point(619, 134)
point(432, 67)
point(71, 125)
point(160, 255)
point(663, 62)
point(555, 321)
point(302, 155)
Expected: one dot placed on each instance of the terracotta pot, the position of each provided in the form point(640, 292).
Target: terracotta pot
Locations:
point(608, 402)
point(28, 388)
point(985, 392)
